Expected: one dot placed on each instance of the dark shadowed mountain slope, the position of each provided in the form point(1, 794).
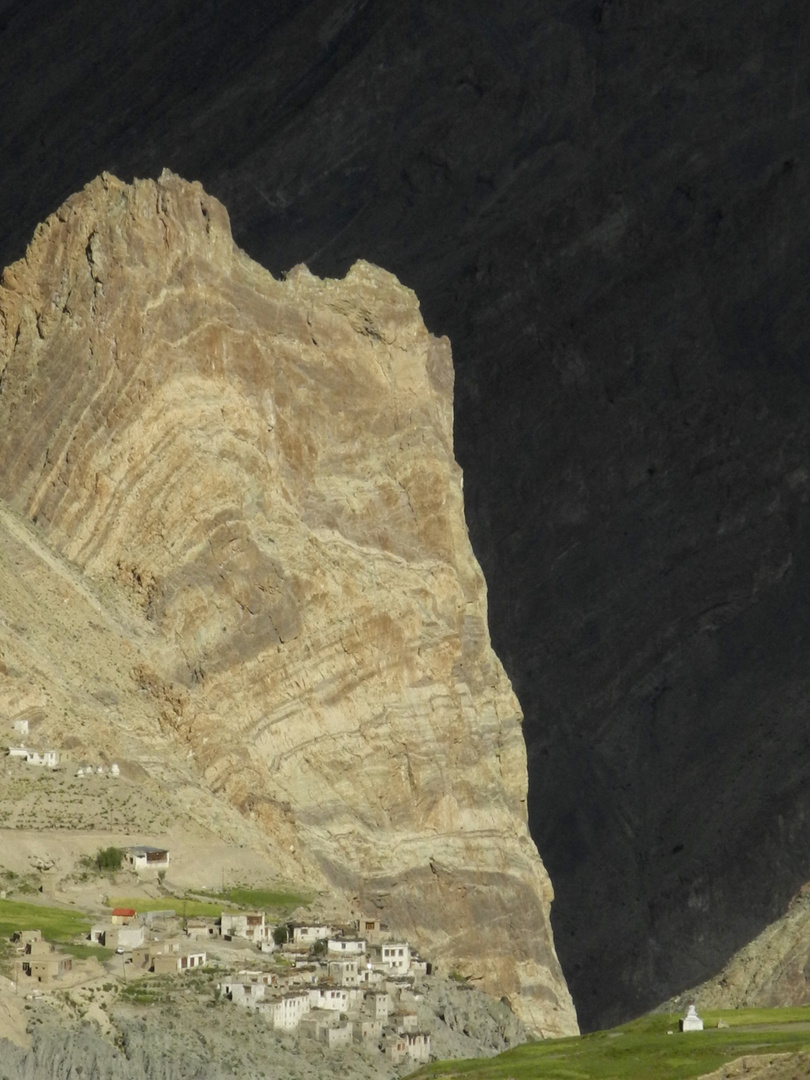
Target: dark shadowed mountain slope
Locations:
point(606, 206)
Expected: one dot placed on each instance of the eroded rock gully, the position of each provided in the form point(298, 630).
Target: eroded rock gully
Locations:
point(265, 469)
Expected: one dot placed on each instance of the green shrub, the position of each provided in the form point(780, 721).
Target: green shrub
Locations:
point(109, 858)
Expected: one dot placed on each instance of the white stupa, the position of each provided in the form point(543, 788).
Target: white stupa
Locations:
point(691, 1022)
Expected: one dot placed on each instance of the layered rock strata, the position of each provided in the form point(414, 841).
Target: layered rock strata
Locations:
point(265, 468)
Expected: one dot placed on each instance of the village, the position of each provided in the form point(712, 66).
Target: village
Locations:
point(336, 984)
point(341, 985)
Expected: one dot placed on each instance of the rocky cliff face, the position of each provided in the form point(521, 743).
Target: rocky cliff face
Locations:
point(265, 469)
point(605, 205)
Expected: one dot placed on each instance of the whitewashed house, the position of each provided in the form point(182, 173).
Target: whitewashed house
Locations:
point(396, 957)
point(118, 937)
point(44, 758)
point(143, 857)
point(246, 994)
point(47, 759)
point(285, 1013)
point(309, 935)
point(332, 998)
point(346, 946)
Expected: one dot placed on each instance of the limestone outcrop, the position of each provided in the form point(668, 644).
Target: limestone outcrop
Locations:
point(264, 470)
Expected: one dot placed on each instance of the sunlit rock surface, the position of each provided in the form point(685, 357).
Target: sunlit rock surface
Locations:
point(265, 469)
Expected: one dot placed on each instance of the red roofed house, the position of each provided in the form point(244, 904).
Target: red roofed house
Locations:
point(122, 915)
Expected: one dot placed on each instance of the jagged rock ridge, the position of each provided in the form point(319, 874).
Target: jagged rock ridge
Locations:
point(266, 469)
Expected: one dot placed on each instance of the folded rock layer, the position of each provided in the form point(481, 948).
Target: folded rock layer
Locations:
point(265, 468)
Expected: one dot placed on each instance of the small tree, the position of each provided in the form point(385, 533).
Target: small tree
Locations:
point(280, 935)
point(109, 858)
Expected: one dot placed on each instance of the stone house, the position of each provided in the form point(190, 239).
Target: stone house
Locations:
point(286, 1012)
point(414, 1045)
point(395, 1047)
point(370, 927)
point(406, 1021)
point(377, 1004)
point(251, 926)
point(344, 972)
point(366, 1029)
point(418, 1048)
point(43, 963)
point(339, 1035)
point(418, 966)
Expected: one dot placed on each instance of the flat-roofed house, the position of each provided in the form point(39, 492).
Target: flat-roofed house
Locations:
point(246, 994)
point(418, 1048)
point(284, 1013)
point(43, 963)
point(329, 997)
point(396, 957)
point(346, 946)
point(309, 934)
point(344, 972)
point(249, 925)
point(172, 963)
point(144, 857)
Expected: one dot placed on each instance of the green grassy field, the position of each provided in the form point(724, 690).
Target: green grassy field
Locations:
point(264, 899)
point(56, 924)
point(642, 1050)
point(230, 900)
point(179, 904)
